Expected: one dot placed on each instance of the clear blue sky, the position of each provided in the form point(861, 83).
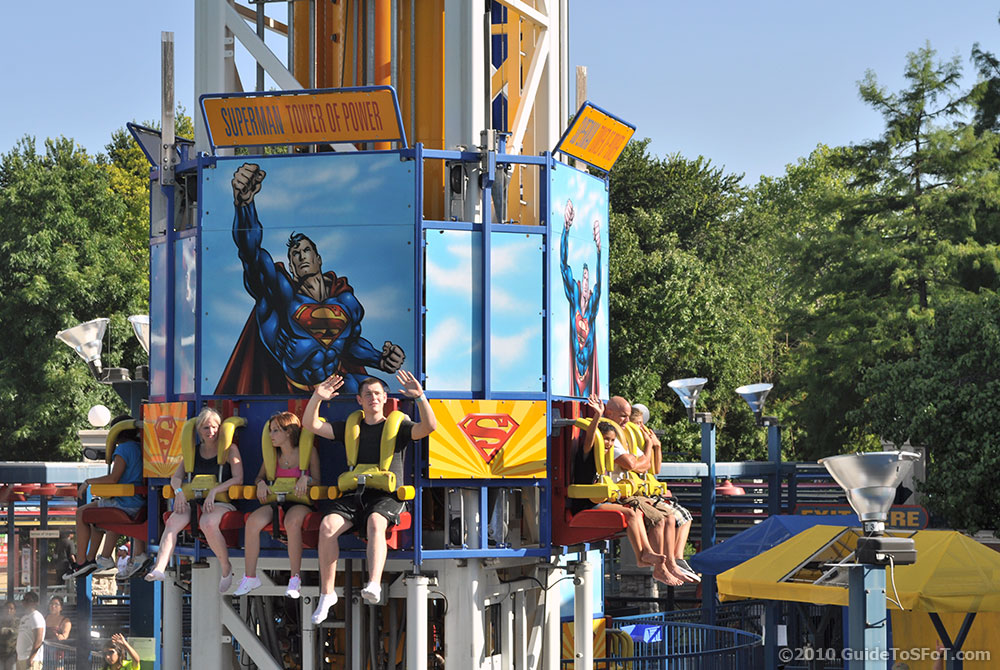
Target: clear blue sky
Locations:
point(750, 85)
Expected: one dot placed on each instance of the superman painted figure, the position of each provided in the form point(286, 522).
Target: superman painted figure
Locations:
point(306, 323)
point(583, 303)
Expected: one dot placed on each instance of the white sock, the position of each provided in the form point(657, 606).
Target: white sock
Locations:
point(326, 601)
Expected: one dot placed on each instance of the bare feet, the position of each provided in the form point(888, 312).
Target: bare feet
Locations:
point(661, 574)
point(649, 559)
point(677, 573)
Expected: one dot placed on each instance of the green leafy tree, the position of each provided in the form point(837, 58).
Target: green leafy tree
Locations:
point(62, 262)
point(947, 398)
point(900, 239)
point(686, 274)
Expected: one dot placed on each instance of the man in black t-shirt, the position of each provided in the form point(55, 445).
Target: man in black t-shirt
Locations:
point(374, 510)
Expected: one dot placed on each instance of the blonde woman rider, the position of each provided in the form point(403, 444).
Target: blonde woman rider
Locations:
point(205, 463)
point(284, 429)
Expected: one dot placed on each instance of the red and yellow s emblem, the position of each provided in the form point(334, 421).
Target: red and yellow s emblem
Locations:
point(324, 322)
point(507, 439)
point(488, 432)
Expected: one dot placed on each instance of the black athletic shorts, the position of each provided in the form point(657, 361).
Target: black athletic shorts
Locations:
point(357, 509)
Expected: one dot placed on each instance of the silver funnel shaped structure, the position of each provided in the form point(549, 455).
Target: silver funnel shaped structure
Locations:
point(754, 395)
point(140, 325)
point(687, 390)
point(86, 340)
point(870, 479)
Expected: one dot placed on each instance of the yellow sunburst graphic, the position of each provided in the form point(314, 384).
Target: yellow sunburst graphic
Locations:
point(488, 439)
point(568, 639)
point(161, 437)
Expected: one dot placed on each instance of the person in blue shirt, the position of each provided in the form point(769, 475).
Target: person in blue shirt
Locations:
point(126, 468)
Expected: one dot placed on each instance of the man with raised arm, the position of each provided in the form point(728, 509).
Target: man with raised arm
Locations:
point(658, 523)
point(370, 509)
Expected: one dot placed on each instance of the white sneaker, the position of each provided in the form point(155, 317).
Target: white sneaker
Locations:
point(136, 565)
point(226, 582)
point(372, 593)
point(247, 584)
point(105, 566)
point(154, 576)
point(326, 601)
point(294, 586)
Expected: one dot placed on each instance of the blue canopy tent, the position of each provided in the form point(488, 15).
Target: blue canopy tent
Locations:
point(759, 538)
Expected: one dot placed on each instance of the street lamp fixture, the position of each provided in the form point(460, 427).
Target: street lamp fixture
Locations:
point(754, 395)
point(140, 324)
point(687, 390)
point(86, 340)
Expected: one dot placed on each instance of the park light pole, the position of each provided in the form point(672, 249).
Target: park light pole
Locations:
point(687, 390)
point(870, 482)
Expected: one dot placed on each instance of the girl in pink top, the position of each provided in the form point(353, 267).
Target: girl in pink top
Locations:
point(284, 429)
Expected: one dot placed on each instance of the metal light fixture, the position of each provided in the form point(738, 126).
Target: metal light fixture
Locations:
point(87, 341)
point(687, 390)
point(140, 324)
point(870, 481)
point(754, 395)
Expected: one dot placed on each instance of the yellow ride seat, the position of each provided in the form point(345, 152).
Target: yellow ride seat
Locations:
point(604, 489)
point(648, 484)
point(372, 475)
point(198, 485)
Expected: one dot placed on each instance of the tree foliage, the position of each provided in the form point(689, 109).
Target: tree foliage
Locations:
point(902, 234)
point(685, 274)
point(947, 397)
point(62, 262)
point(74, 246)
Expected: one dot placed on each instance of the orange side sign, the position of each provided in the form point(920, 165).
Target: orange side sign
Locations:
point(161, 437)
point(336, 115)
point(596, 137)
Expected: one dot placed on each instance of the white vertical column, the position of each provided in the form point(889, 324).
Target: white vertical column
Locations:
point(522, 630)
point(464, 633)
point(416, 622)
point(547, 101)
point(552, 642)
point(465, 87)
point(583, 616)
point(206, 616)
point(306, 606)
point(172, 631)
point(507, 624)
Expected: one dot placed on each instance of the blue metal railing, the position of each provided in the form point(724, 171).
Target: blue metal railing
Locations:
point(679, 645)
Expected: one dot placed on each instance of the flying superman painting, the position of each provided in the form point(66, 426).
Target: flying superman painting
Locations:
point(578, 284)
point(307, 272)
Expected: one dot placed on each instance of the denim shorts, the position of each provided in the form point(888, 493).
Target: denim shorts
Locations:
point(131, 510)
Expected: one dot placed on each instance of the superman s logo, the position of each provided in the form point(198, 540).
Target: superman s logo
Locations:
point(163, 431)
point(488, 433)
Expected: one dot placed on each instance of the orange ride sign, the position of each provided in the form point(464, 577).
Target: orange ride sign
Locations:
point(161, 437)
point(288, 117)
point(596, 137)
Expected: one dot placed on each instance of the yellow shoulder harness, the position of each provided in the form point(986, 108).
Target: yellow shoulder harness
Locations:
point(376, 475)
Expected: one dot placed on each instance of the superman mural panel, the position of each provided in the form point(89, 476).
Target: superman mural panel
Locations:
point(312, 274)
point(578, 283)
